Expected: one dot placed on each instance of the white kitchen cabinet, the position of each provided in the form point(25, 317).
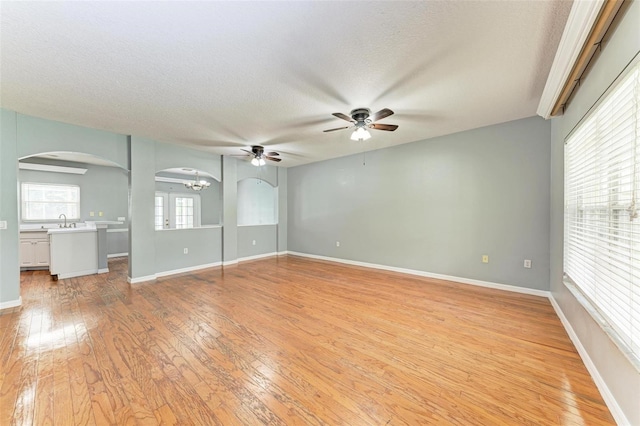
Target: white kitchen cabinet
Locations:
point(74, 252)
point(34, 250)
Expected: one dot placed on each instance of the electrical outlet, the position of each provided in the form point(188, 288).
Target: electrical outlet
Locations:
point(253, 242)
point(485, 258)
point(100, 214)
point(527, 263)
point(337, 243)
point(121, 218)
point(185, 251)
point(3, 224)
point(92, 214)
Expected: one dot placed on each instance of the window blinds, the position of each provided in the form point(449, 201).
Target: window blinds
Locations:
point(602, 202)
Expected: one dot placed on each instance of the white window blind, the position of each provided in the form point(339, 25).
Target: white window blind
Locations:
point(42, 201)
point(602, 197)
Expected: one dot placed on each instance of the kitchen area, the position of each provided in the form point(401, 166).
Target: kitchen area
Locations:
point(94, 225)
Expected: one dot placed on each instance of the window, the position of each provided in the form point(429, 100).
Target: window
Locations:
point(177, 210)
point(42, 201)
point(602, 204)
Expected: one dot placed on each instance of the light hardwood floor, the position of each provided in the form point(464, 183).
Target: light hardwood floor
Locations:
point(287, 341)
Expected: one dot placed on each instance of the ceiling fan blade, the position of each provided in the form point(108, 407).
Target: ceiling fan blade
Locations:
point(343, 116)
point(388, 127)
point(249, 152)
point(381, 114)
point(273, 158)
point(338, 128)
point(272, 153)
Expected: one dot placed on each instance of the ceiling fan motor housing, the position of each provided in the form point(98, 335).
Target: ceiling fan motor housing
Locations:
point(360, 114)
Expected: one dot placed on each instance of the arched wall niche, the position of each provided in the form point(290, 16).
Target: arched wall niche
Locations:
point(257, 202)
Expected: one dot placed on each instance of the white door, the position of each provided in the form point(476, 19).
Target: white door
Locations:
point(184, 210)
point(162, 211)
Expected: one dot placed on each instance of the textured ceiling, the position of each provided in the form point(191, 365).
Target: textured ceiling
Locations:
point(220, 76)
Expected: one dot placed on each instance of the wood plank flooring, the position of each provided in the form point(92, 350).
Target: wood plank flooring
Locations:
point(287, 341)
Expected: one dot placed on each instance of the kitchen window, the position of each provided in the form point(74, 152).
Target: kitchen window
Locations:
point(44, 201)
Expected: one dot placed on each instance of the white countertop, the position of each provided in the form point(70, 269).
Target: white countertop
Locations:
point(87, 226)
point(71, 230)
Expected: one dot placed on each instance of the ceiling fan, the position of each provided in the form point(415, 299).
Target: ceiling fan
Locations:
point(259, 156)
point(362, 120)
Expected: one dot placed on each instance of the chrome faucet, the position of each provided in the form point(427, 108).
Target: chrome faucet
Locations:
point(65, 220)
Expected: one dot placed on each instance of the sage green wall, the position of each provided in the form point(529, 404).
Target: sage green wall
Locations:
point(229, 209)
point(152, 251)
point(282, 210)
point(263, 235)
point(9, 263)
point(203, 245)
point(435, 206)
point(39, 135)
point(170, 156)
point(142, 180)
point(620, 377)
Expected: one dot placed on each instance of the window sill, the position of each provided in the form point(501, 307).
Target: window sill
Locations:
point(602, 322)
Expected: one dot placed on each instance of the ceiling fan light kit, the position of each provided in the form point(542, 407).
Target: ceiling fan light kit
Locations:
point(362, 120)
point(259, 157)
point(198, 184)
point(360, 134)
point(258, 161)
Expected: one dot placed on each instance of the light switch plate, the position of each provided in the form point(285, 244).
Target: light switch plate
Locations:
point(3, 224)
point(121, 218)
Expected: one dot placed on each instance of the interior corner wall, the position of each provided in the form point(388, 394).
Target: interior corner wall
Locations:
point(9, 262)
point(615, 371)
point(434, 206)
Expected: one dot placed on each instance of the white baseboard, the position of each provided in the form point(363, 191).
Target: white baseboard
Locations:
point(77, 274)
point(608, 397)
point(497, 286)
point(103, 270)
point(282, 253)
point(11, 303)
point(141, 279)
point(171, 272)
point(230, 262)
point(189, 269)
point(109, 256)
point(257, 256)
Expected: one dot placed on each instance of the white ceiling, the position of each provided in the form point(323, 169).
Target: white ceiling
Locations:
point(220, 76)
